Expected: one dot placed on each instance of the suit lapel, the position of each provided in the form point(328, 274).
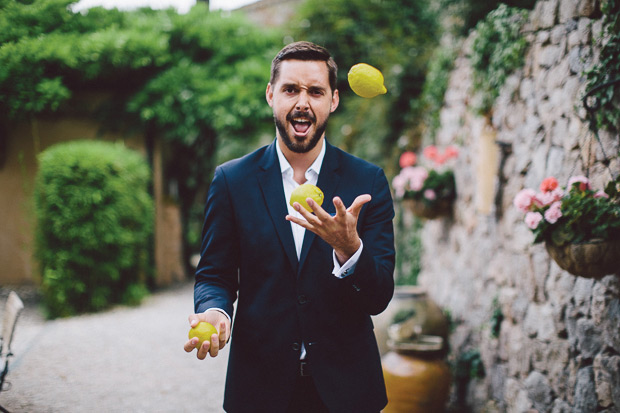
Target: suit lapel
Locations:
point(329, 178)
point(270, 181)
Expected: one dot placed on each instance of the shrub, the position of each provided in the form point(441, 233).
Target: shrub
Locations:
point(94, 226)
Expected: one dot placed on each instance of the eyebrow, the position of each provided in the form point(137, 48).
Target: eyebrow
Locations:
point(296, 86)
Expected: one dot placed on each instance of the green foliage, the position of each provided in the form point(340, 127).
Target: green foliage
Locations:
point(435, 86)
point(584, 214)
point(409, 250)
point(496, 318)
point(608, 68)
point(469, 366)
point(197, 80)
point(94, 226)
point(498, 49)
point(465, 14)
point(397, 37)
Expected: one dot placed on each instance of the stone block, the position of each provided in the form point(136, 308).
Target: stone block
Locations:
point(586, 400)
point(538, 391)
point(607, 378)
point(589, 340)
point(560, 406)
point(568, 9)
point(587, 8)
point(550, 55)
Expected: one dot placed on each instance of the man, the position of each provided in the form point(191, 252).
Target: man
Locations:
point(307, 283)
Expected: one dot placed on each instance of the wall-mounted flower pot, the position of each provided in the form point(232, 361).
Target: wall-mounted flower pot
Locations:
point(593, 259)
point(421, 209)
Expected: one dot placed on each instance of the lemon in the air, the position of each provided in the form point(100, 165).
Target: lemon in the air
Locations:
point(203, 331)
point(366, 81)
point(302, 192)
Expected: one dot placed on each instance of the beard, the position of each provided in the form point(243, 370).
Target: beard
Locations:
point(306, 143)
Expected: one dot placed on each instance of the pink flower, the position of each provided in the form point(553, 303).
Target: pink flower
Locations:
point(547, 198)
point(584, 183)
point(549, 184)
point(452, 152)
point(399, 184)
point(441, 158)
point(601, 194)
point(554, 212)
point(415, 175)
point(525, 199)
point(407, 159)
point(430, 152)
point(430, 195)
point(532, 219)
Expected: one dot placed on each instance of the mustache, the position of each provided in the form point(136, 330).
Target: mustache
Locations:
point(299, 114)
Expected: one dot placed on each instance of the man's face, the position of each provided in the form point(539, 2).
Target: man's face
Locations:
point(302, 101)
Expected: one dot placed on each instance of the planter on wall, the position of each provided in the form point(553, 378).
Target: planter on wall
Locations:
point(593, 259)
point(421, 209)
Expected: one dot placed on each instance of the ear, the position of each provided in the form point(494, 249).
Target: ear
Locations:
point(335, 101)
point(269, 94)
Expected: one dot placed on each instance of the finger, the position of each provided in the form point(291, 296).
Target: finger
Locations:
point(193, 320)
point(298, 221)
point(357, 204)
point(319, 212)
point(190, 345)
point(215, 345)
point(223, 334)
point(341, 210)
point(203, 350)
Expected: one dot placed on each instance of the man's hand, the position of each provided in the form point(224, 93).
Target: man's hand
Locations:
point(339, 231)
point(218, 341)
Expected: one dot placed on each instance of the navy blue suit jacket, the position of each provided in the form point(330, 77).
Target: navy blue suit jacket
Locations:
point(248, 250)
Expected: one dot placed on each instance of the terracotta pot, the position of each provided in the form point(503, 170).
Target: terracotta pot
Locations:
point(417, 379)
point(593, 259)
point(421, 209)
point(423, 315)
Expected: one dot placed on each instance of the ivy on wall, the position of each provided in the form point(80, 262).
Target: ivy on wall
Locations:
point(608, 68)
point(498, 50)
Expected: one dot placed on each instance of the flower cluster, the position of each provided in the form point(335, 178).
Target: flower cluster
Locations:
point(431, 184)
point(575, 215)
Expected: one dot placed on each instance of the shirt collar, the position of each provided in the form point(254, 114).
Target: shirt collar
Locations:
point(316, 165)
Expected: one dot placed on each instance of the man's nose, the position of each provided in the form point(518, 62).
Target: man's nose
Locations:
point(303, 103)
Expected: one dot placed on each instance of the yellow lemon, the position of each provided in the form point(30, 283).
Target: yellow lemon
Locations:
point(302, 192)
point(203, 331)
point(366, 81)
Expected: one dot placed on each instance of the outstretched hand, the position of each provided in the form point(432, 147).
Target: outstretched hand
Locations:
point(217, 342)
point(339, 231)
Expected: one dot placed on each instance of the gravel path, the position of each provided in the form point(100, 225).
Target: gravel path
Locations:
point(128, 359)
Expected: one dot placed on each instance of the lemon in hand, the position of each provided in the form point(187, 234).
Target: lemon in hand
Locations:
point(302, 192)
point(366, 81)
point(203, 331)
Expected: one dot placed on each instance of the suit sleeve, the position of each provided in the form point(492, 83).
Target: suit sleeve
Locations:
point(371, 286)
point(217, 271)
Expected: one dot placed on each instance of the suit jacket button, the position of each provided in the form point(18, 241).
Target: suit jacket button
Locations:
point(296, 346)
point(302, 299)
point(356, 288)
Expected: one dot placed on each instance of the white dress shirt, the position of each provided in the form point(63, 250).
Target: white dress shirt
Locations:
point(312, 177)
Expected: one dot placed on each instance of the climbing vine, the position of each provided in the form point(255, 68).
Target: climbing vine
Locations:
point(608, 68)
point(498, 50)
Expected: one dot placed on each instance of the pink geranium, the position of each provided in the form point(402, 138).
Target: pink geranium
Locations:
point(451, 152)
point(548, 198)
point(415, 176)
point(399, 183)
point(554, 212)
point(430, 195)
point(532, 219)
point(524, 200)
point(430, 152)
point(407, 159)
point(548, 184)
point(584, 183)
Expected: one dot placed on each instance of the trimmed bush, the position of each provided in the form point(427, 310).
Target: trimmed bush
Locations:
point(94, 226)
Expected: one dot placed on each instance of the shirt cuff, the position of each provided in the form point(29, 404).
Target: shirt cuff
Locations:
point(348, 267)
point(221, 311)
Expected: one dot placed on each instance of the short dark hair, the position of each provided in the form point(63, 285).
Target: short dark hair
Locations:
point(305, 51)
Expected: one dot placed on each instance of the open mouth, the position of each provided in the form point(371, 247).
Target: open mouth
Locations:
point(301, 123)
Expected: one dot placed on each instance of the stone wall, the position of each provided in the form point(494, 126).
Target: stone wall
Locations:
point(558, 346)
